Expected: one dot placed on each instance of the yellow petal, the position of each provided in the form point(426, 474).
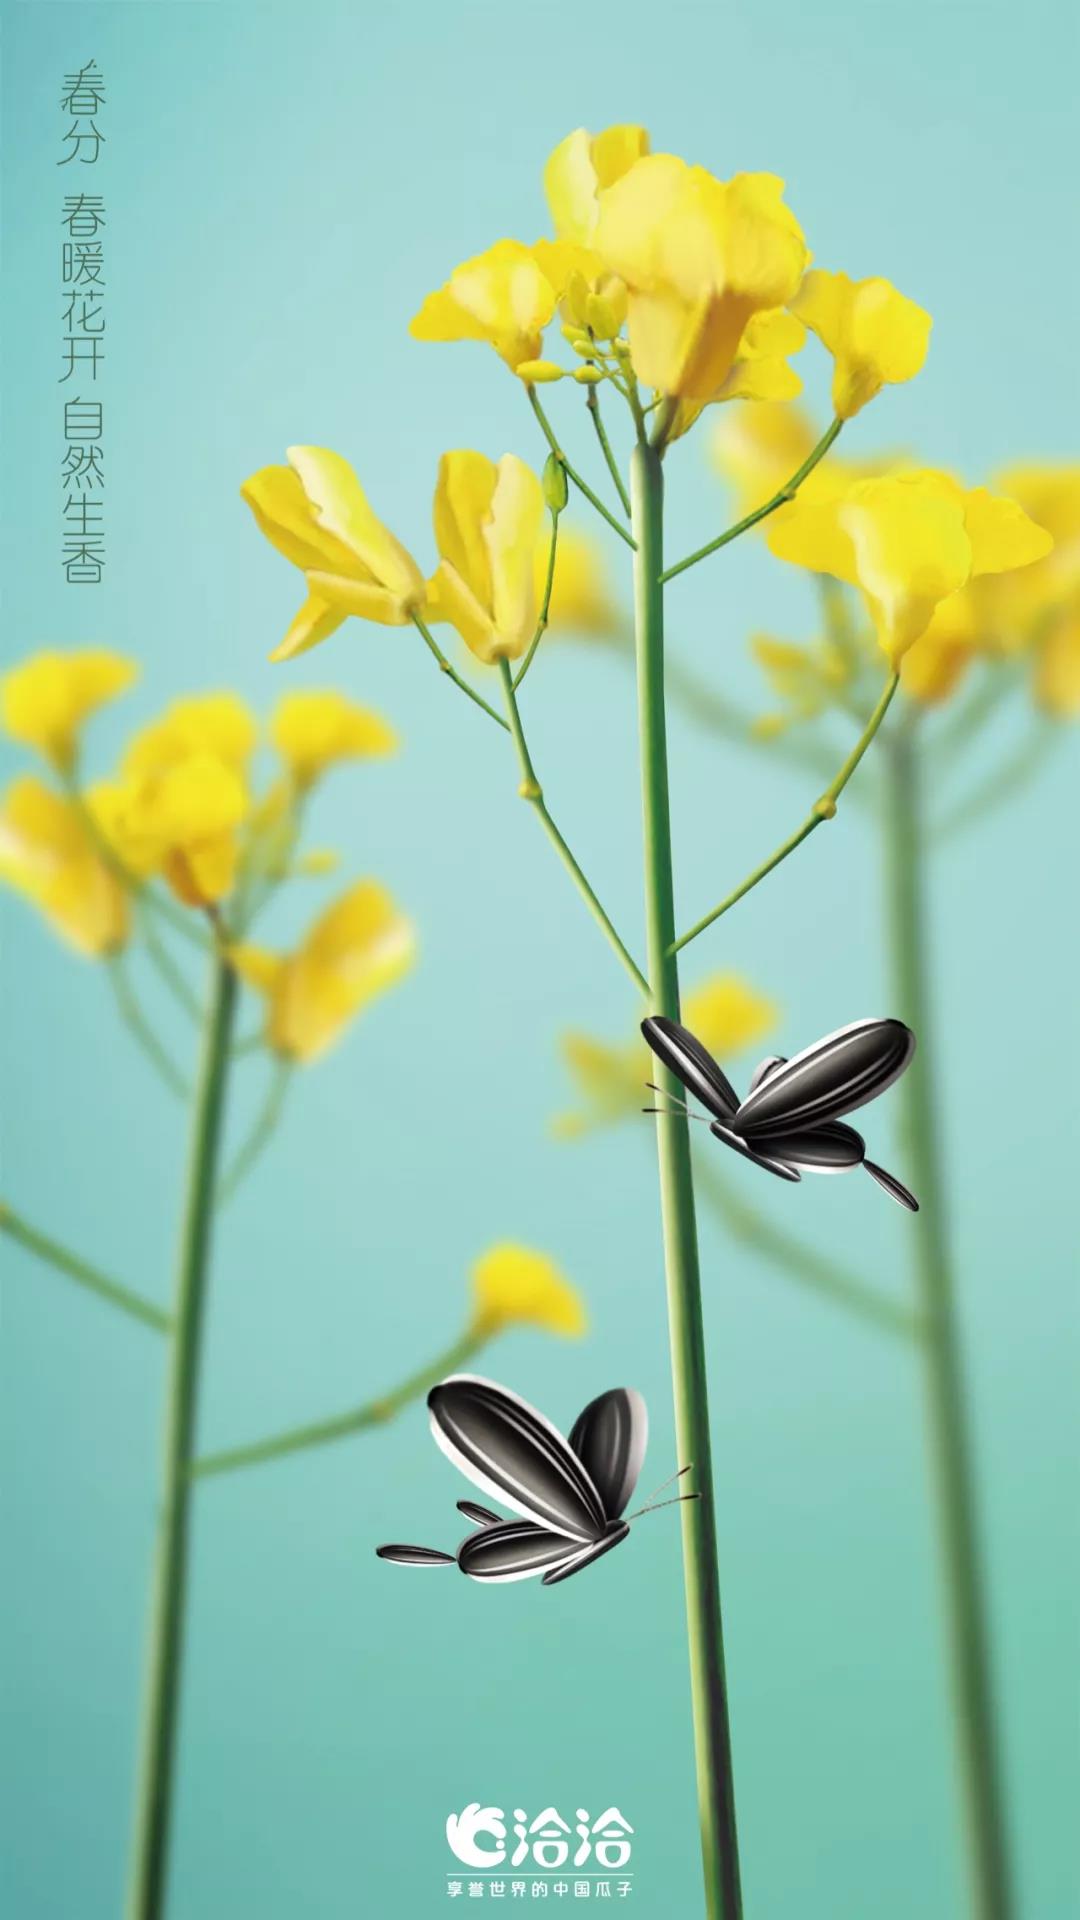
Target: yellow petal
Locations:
point(219, 724)
point(341, 508)
point(875, 334)
point(45, 701)
point(511, 534)
point(315, 622)
point(1001, 534)
point(502, 296)
point(257, 967)
point(463, 494)
point(513, 1285)
point(47, 854)
point(344, 595)
point(578, 170)
point(357, 949)
point(1057, 675)
point(285, 515)
point(458, 604)
point(312, 730)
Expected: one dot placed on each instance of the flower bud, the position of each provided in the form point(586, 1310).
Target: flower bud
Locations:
point(553, 481)
point(588, 376)
point(538, 372)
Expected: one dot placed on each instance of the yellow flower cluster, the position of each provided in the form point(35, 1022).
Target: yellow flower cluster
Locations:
point(725, 1013)
point(514, 1285)
point(947, 573)
point(182, 809)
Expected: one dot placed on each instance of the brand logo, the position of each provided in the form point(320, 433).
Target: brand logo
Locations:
point(485, 1838)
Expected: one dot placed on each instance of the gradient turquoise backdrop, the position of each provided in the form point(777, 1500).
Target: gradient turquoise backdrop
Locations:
point(284, 183)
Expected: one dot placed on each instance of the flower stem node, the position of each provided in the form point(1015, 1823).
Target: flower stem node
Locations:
point(825, 808)
point(554, 483)
point(531, 790)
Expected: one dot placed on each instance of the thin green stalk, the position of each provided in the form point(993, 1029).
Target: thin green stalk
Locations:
point(822, 810)
point(139, 1026)
point(948, 1420)
point(531, 790)
point(373, 1413)
point(708, 1686)
point(158, 1746)
point(802, 1263)
point(262, 1132)
point(572, 473)
point(786, 492)
point(545, 604)
point(452, 673)
point(80, 1270)
point(592, 401)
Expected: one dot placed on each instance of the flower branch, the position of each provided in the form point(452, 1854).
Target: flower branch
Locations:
point(80, 1270)
point(785, 493)
point(572, 473)
point(822, 810)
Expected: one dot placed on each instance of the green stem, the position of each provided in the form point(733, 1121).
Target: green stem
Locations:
point(572, 473)
point(139, 1026)
point(708, 1686)
point(531, 790)
point(261, 1133)
point(786, 492)
point(593, 403)
point(813, 1269)
point(451, 672)
point(822, 810)
point(80, 1270)
point(158, 1746)
point(373, 1413)
point(948, 1420)
point(545, 605)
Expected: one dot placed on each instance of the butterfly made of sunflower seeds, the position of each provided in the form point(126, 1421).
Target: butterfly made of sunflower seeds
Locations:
point(789, 1122)
point(571, 1494)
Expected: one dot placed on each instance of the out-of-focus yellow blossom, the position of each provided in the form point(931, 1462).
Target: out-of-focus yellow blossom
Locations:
point(45, 701)
point(358, 948)
point(805, 679)
point(876, 335)
point(182, 819)
point(581, 601)
point(699, 257)
point(758, 449)
point(315, 512)
point(488, 518)
point(909, 541)
point(48, 853)
point(1040, 608)
point(580, 169)
point(725, 1013)
point(514, 1286)
point(759, 371)
point(314, 730)
point(218, 724)
point(505, 297)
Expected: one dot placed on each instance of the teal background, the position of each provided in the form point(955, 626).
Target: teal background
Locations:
point(284, 184)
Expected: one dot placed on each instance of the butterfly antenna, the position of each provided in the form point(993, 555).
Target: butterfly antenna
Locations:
point(677, 1475)
point(673, 1502)
point(679, 1107)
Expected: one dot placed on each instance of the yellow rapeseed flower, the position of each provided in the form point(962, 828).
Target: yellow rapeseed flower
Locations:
point(725, 1013)
point(219, 724)
point(909, 540)
point(514, 1286)
point(488, 518)
point(358, 948)
point(48, 853)
point(183, 819)
point(313, 730)
point(876, 335)
point(699, 257)
point(505, 297)
point(46, 699)
point(315, 512)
